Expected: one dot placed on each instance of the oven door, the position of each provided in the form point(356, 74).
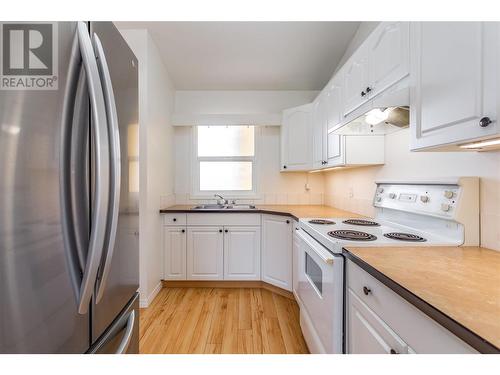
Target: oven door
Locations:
point(321, 294)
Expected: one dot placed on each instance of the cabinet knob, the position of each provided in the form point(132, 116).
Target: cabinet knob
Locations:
point(288, 221)
point(368, 89)
point(226, 231)
point(484, 122)
point(392, 351)
point(363, 93)
point(220, 230)
point(183, 231)
point(284, 167)
point(174, 219)
point(366, 290)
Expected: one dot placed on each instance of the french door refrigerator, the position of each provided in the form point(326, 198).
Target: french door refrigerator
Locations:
point(69, 214)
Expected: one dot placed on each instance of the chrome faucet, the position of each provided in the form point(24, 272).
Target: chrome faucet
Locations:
point(224, 200)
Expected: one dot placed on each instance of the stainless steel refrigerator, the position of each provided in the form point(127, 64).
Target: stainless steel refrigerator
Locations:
point(69, 213)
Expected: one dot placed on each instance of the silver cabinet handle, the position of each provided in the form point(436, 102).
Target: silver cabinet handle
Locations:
point(102, 163)
point(122, 348)
point(114, 134)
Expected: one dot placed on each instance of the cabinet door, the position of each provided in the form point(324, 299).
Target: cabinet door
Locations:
point(296, 266)
point(388, 49)
point(277, 251)
point(367, 333)
point(335, 150)
point(334, 101)
point(355, 81)
point(174, 253)
point(455, 73)
point(334, 143)
point(320, 117)
point(242, 253)
point(205, 253)
point(296, 139)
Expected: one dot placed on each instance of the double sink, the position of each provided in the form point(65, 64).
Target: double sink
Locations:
point(225, 207)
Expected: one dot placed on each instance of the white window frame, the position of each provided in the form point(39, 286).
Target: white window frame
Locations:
point(196, 193)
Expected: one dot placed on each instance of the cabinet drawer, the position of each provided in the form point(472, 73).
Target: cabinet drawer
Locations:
point(175, 219)
point(224, 219)
point(367, 333)
point(419, 331)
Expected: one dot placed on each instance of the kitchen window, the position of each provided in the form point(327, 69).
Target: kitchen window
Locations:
point(225, 161)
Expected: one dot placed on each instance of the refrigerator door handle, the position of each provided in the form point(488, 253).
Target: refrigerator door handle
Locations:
point(122, 348)
point(75, 257)
point(102, 166)
point(113, 130)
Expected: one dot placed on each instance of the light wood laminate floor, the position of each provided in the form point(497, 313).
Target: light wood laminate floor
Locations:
point(220, 320)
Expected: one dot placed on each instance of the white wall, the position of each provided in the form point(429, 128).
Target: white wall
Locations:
point(400, 163)
point(274, 187)
point(156, 163)
point(238, 102)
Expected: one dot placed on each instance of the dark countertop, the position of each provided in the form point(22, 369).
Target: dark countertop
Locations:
point(295, 211)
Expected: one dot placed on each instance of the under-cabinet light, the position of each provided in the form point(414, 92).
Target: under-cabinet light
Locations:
point(481, 144)
point(326, 169)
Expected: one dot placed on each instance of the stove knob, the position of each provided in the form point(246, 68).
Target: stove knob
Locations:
point(448, 194)
point(380, 189)
point(424, 198)
point(392, 195)
point(445, 207)
point(378, 199)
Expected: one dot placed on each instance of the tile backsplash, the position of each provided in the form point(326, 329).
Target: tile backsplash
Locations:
point(264, 198)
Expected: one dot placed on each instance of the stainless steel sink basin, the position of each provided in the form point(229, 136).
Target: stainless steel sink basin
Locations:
point(229, 207)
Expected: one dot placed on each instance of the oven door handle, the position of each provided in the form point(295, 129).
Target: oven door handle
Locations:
point(322, 252)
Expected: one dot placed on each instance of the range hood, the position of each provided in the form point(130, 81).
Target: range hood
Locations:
point(385, 114)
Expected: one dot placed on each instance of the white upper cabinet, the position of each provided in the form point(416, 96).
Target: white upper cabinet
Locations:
point(333, 93)
point(320, 118)
point(356, 80)
point(296, 136)
point(455, 82)
point(333, 142)
point(388, 49)
point(380, 62)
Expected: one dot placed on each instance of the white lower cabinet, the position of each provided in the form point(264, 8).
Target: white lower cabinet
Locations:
point(368, 334)
point(381, 321)
point(229, 247)
point(242, 253)
point(205, 253)
point(277, 251)
point(174, 253)
point(296, 260)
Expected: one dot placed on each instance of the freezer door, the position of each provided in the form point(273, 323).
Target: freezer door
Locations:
point(118, 277)
point(122, 336)
point(38, 281)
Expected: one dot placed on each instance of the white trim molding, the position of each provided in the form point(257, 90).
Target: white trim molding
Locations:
point(196, 194)
point(145, 302)
point(190, 119)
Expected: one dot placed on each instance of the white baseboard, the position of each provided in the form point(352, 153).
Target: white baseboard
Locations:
point(144, 302)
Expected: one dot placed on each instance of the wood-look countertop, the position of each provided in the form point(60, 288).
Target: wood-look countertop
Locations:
point(463, 283)
point(295, 211)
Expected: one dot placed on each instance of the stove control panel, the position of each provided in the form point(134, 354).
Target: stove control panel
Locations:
point(428, 199)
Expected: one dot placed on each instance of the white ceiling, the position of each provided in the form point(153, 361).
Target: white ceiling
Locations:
point(249, 55)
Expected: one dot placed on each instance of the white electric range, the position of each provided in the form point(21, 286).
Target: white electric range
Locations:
point(424, 213)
